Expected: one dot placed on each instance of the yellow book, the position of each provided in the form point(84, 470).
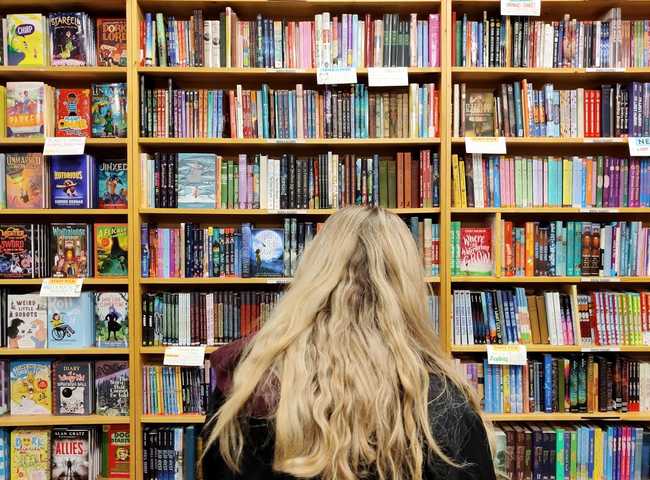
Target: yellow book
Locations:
point(26, 36)
point(505, 381)
point(598, 453)
point(456, 180)
point(567, 182)
point(463, 186)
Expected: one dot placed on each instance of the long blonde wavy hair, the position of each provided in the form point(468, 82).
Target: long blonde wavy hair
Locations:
point(351, 348)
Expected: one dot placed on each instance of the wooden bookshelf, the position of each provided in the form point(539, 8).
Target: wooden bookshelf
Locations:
point(62, 352)
point(60, 420)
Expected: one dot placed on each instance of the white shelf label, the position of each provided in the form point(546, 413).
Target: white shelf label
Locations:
point(274, 281)
point(388, 77)
point(64, 145)
point(506, 354)
point(600, 349)
point(61, 287)
point(185, 356)
point(599, 210)
point(336, 75)
point(521, 7)
point(493, 145)
point(639, 146)
point(600, 279)
point(605, 70)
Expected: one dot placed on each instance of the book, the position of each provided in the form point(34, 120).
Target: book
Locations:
point(185, 443)
point(71, 452)
point(17, 253)
point(26, 321)
point(5, 445)
point(25, 180)
point(31, 387)
point(116, 451)
point(166, 381)
point(267, 251)
point(72, 385)
point(475, 251)
point(111, 42)
point(112, 387)
point(30, 454)
point(71, 39)
point(27, 109)
point(479, 113)
point(111, 250)
point(70, 321)
point(26, 39)
point(72, 112)
point(108, 110)
point(196, 180)
point(4, 387)
point(112, 183)
point(111, 319)
point(72, 181)
point(71, 249)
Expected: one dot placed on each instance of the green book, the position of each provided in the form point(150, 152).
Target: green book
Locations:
point(518, 183)
point(235, 185)
point(570, 263)
point(383, 183)
point(224, 184)
point(392, 186)
point(574, 455)
point(162, 44)
point(577, 249)
point(559, 454)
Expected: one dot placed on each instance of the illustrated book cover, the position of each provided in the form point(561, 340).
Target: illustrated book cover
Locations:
point(479, 113)
point(112, 183)
point(25, 176)
point(111, 319)
point(31, 387)
point(69, 39)
point(476, 251)
point(70, 321)
point(70, 249)
point(26, 320)
point(26, 39)
point(30, 454)
point(16, 251)
point(267, 252)
point(109, 110)
point(111, 250)
point(25, 115)
point(72, 386)
point(111, 42)
point(116, 446)
point(112, 387)
point(71, 181)
point(71, 455)
point(72, 112)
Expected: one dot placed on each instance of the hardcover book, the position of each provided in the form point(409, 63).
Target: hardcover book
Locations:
point(112, 387)
point(72, 112)
point(112, 183)
point(111, 249)
point(25, 39)
point(479, 113)
point(26, 321)
point(25, 180)
point(111, 319)
point(70, 249)
point(267, 252)
point(116, 446)
point(70, 321)
point(25, 109)
point(72, 387)
point(68, 39)
point(475, 251)
point(196, 180)
point(16, 251)
point(31, 387)
point(71, 181)
point(30, 454)
point(109, 110)
point(71, 456)
point(111, 42)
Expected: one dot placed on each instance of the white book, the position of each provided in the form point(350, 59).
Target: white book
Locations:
point(278, 46)
point(550, 316)
point(270, 185)
point(207, 43)
point(215, 58)
point(239, 112)
point(318, 39)
point(209, 315)
point(456, 113)
point(276, 189)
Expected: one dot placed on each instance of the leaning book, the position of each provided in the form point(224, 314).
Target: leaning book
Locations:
point(479, 113)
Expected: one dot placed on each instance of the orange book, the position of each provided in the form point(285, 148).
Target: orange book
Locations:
point(590, 172)
point(530, 249)
point(400, 180)
point(508, 257)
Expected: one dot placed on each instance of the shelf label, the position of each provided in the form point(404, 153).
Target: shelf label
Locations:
point(282, 140)
point(274, 281)
point(639, 146)
point(599, 210)
point(600, 349)
point(605, 70)
point(64, 145)
point(599, 140)
point(388, 77)
point(286, 70)
point(61, 287)
point(521, 7)
point(485, 145)
point(506, 354)
point(336, 75)
point(185, 356)
point(600, 279)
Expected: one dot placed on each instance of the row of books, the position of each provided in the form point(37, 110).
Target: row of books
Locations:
point(176, 390)
point(30, 180)
point(329, 180)
point(522, 182)
point(63, 250)
point(577, 383)
point(572, 451)
point(65, 387)
point(517, 109)
point(558, 318)
point(496, 41)
point(325, 112)
point(62, 38)
point(98, 319)
point(573, 248)
point(171, 452)
point(328, 40)
point(36, 110)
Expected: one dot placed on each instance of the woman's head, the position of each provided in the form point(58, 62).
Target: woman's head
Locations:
point(350, 349)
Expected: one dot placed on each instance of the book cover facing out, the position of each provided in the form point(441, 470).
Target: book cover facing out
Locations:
point(475, 251)
point(479, 113)
point(267, 252)
point(196, 180)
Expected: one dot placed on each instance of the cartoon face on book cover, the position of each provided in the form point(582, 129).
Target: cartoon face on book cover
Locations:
point(31, 387)
point(109, 110)
point(30, 454)
point(119, 450)
point(111, 42)
point(24, 180)
point(72, 386)
point(26, 317)
point(73, 112)
point(267, 252)
point(112, 183)
point(16, 259)
point(111, 319)
point(25, 112)
point(70, 322)
point(67, 39)
point(70, 453)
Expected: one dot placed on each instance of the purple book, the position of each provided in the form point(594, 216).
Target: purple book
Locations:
point(71, 181)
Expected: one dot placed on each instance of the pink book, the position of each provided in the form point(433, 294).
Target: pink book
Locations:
point(434, 40)
point(335, 38)
point(249, 186)
point(311, 59)
point(503, 180)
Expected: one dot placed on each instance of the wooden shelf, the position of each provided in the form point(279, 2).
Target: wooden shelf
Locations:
point(87, 281)
point(45, 352)
point(569, 417)
point(90, 142)
point(324, 142)
point(515, 280)
point(171, 419)
point(64, 211)
point(497, 74)
point(161, 350)
point(560, 348)
point(536, 210)
point(52, 420)
point(263, 212)
point(555, 141)
point(64, 74)
point(231, 281)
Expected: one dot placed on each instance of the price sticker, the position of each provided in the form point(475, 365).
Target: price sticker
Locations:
point(388, 77)
point(493, 145)
point(336, 75)
point(61, 287)
point(639, 146)
point(64, 145)
point(530, 8)
point(506, 354)
point(185, 356)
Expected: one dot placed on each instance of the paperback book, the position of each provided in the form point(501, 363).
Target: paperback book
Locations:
point(71, 247)
point(72, 178)
point(26, 39)
point(72, 39)
point(30, 454)
point(31, 387)
point(111, 319)
point(26, 321)
point(111, 42)
point(70, 321)
point(112, 387)
point(72, 385)
point(26, 179)
point(26, 109)
point(71, 453)
point(111, 250)
point(72, 112)
point(112, 183)
point(109, 110)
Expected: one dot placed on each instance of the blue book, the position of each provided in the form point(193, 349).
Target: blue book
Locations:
point(196, 180)
point(112, 183)
point(487, 394)
point(548, 383)
point(71, 181)
point(497, 181)
point(266, 252)
point(71, 321)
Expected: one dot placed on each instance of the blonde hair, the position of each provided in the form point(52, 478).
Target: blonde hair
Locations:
point(351, 348)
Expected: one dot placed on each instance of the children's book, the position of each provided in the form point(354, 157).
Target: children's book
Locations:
point(111, 42)
point(111, 250)
point(26, 39)
point(267, 252)
point(111, 319)
point(112, 183)
point(69, 39)
point(72, 181)
point(112, 387)
point(72, 386)
point(26, 321)
point(31, 387)
point(25, 176)
point(71, 456)
point(25, 109)
point(72, 112)
point(196, 180)
point(16, 251)
point(30, 454)
point(70, 321)
point(116, 451)
point(109, 110)
point(4, 454)
point(476, 251)
point(4, 387)
point(70, 249)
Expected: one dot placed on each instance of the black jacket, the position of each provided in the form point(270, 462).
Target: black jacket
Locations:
point(455, 426)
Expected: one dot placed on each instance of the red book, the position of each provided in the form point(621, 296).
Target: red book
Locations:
point(118, 445)
point(408, 194)
point(72, 112)
point(597, 129)
point(111, 42)
point(400, 180)
point(508, 261)
point(476, 251)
